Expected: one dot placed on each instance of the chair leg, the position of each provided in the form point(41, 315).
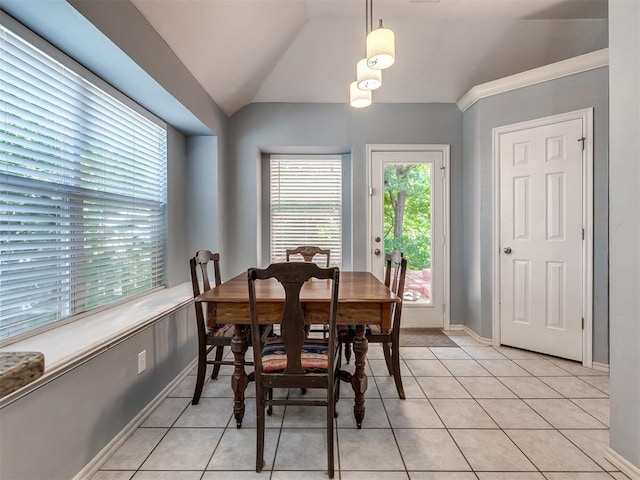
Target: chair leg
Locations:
point(395, 361)
point(337, 380)
point(260, 422)
point(330, 424)
point(270, 396)
point(347, 351)
point(387, 357)
point(202, 371)
point(216, 366)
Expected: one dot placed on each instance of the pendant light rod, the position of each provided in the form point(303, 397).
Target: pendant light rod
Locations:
point(369, 17)
point(380, 48)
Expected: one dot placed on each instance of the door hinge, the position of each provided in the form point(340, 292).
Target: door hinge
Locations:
point(371, 191)
point(582, 140)
point(583, 233)
point(444, 305)
point(582, 323)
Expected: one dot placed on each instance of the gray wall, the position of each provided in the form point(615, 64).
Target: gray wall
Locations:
point(472, 221)
point(54, 431)
point(192, 200)
point(624, 50)
point(284, 127)
point(201, 185)
point(583, 90)
point(177, 201)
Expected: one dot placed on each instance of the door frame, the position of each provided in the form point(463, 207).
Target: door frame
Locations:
point(586, 115)
point(445, 244)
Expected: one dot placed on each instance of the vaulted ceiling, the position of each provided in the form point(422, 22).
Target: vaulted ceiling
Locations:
point(244, 51)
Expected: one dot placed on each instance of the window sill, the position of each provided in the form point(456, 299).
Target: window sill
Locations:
point(72, 344)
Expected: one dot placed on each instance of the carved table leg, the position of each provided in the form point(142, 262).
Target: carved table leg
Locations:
point(239, 379)
point(359, 379)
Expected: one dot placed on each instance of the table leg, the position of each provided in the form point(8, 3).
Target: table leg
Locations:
point(239, 379)
point(359, 378)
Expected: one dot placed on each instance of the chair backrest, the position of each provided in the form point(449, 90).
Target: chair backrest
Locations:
point(394, 278)
point(393, 262)
point(203, 266)
point(292, 276)
point(308, 252)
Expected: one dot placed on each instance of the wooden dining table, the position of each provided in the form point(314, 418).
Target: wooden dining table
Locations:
point(362, 300)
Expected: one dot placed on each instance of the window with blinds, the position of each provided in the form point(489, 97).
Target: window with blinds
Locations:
point(82, 193)
point(306, 204)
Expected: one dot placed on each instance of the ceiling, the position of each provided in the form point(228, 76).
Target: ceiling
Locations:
point(244, 51)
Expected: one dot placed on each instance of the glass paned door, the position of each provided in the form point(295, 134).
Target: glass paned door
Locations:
point(408, 212)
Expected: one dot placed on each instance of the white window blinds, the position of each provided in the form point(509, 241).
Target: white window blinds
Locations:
point(82, 193)
point(306, 204)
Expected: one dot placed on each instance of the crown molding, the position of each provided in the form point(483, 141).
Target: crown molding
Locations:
point(571, 66)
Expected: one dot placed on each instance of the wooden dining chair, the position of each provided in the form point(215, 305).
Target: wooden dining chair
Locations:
point(394, 278)
point(204, 267)
point(309, 253)
point(293, 360)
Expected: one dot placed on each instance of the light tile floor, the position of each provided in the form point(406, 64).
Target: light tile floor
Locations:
point(472, 412)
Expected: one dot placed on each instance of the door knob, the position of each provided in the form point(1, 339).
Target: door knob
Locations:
point(377, 252)
point(507, 250)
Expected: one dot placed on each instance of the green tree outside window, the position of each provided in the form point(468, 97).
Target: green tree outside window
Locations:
point(407, 213)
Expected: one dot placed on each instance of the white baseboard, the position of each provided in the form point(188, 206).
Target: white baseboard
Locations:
point(453, 328)
point(624, 465)
point(471, 333)
point(94, 465)
point(602, 367)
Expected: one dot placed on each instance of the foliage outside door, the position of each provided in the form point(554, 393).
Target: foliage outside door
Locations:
point(407, 223)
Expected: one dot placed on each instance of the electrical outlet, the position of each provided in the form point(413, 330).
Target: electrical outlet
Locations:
point(142, 361)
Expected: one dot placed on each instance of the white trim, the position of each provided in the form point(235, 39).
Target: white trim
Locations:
point(455, 328)
point(446, 211)
point(446, 214)
point(624, 465)
point(564, 68)
point(586, 115)
point(91, 468)
point(602, 367)
point(471, 333)
point(587, 250)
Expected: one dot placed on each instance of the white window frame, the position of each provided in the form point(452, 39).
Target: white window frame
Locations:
point(339, 256)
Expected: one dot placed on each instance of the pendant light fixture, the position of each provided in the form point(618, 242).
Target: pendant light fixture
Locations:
point(380, 48)
point(368, 78)
point(359, 98)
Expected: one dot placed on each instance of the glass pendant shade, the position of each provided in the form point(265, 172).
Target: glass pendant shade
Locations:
point(368, 78)
point(359, 98)
point(381, 48)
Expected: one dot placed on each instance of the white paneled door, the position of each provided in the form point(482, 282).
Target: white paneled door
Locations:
point(541, 238)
